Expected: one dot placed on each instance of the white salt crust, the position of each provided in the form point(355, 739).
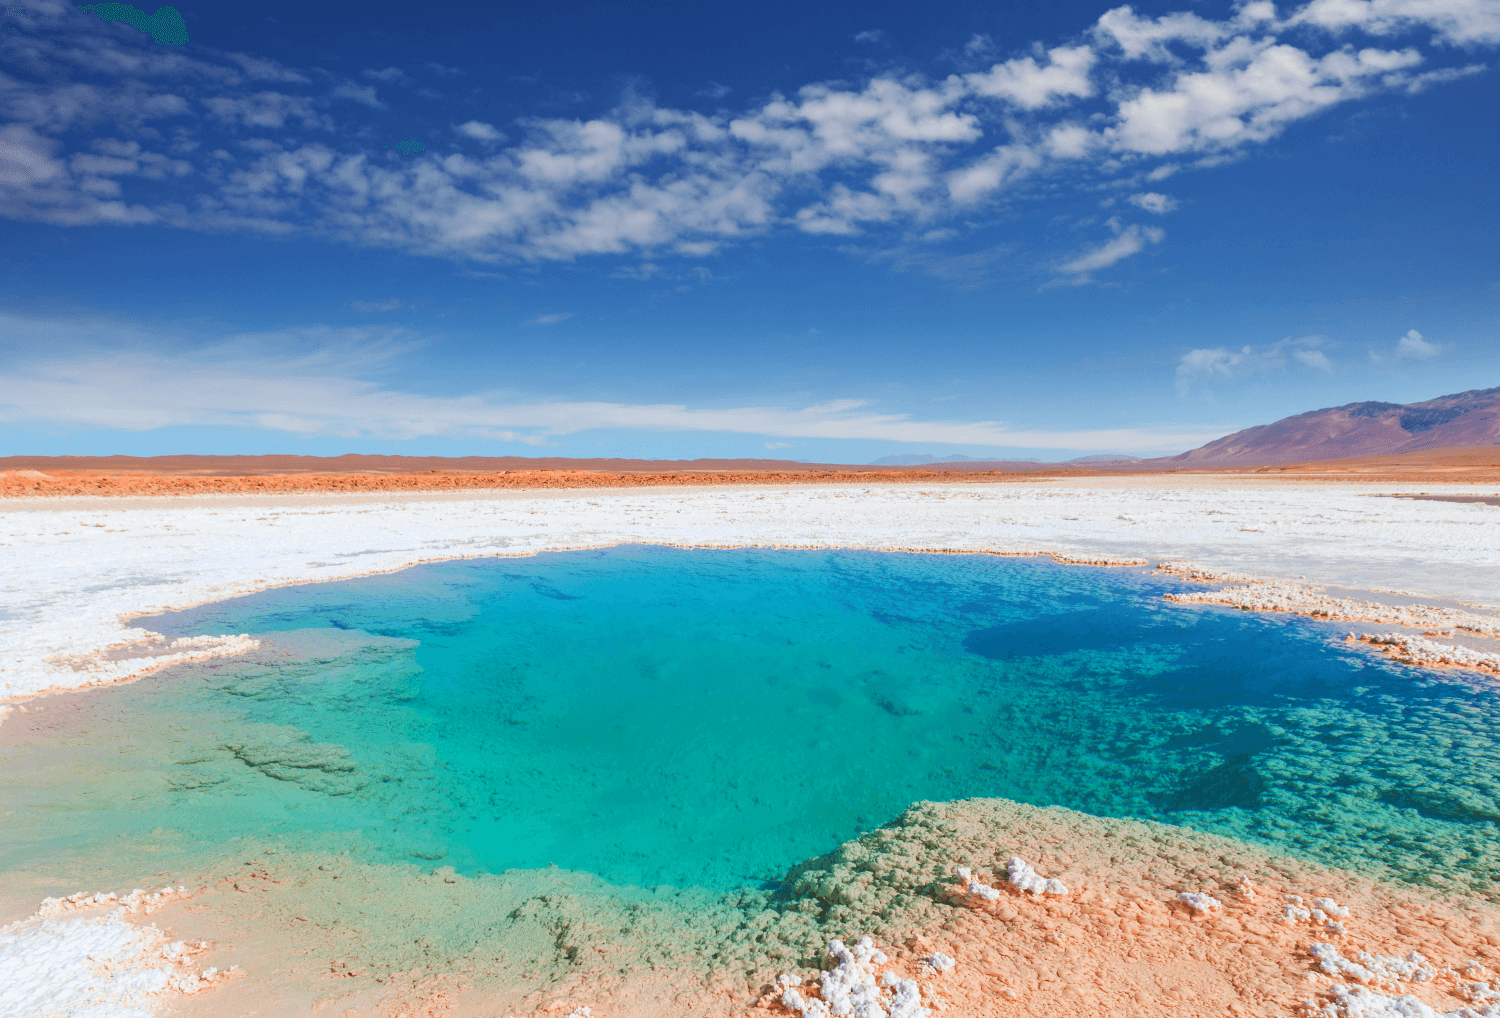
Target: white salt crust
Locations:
point(75, 568)
point(97, 966)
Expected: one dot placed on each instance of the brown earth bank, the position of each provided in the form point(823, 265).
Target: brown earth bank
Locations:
point(198, 475)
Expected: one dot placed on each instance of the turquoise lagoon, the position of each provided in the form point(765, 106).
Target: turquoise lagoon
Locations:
point(711, 718)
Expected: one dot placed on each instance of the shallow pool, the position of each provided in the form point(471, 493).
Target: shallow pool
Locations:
point(711, 718)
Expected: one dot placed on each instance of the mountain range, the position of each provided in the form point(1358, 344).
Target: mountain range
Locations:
point(1359, 429)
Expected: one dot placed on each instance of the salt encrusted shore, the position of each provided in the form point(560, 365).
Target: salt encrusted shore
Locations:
point(76, 568)
point(1249, 594)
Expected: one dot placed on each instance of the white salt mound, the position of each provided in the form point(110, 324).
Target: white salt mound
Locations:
point(853, 988)
point(941, 962)
point(1024, 878)
point(1198, 901)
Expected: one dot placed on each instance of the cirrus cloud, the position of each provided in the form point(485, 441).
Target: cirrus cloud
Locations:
point(326, 382)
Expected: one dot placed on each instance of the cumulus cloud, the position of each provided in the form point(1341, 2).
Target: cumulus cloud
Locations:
point(1250, 93)
point(1411, 347)
point(270, 147)
point(1153, 202)
point(1065, 75)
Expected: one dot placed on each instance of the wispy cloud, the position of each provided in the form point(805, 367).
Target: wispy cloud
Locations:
point(369, 306)
point(1315, 359)
point(1207, 364)
point(267, 146)
point(1128, 240)
point(552, 319)
point(330, 387)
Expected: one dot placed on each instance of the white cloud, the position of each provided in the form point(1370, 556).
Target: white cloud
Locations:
point(1416, 83)
point(358, 93)
point(900, 150)
point(1147, 38)
point(1210, 363)
point(1153, 202)
point(1460, 22)
point(1250, 92)
point(1411, 347)
point(1315, 359)
point(1031, 86)
point(1220, 362)
point(370, 306)
point(870, 35)
point(250, 381)
point(479, 131)
point(549, 319)
point(268, 109)
point(261, 69)
point(1128, 240)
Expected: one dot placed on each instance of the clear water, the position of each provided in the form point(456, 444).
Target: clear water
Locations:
point(711, 718)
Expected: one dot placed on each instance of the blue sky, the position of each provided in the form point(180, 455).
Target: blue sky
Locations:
point(825, 232)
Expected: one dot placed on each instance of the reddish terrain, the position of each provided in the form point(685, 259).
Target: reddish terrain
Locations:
point(1360, 429)
point(189, 475)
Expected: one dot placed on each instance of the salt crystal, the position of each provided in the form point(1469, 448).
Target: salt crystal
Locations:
point(1199, 902)
point(1024, 878)
point(941, 962)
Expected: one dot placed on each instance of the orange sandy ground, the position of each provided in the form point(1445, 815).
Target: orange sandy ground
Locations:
point(322, 934)
point(16, 484)
point(190, 475)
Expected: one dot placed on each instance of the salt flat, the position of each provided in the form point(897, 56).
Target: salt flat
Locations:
point(77, 568)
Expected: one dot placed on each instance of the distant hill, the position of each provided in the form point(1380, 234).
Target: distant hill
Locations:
point(917, 460)
point(1359, 429)
point(1105, 457)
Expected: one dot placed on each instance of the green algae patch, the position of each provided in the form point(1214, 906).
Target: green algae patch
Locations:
point(165, 24)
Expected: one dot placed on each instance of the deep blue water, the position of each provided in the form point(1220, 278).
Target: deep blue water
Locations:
point(713, 717)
